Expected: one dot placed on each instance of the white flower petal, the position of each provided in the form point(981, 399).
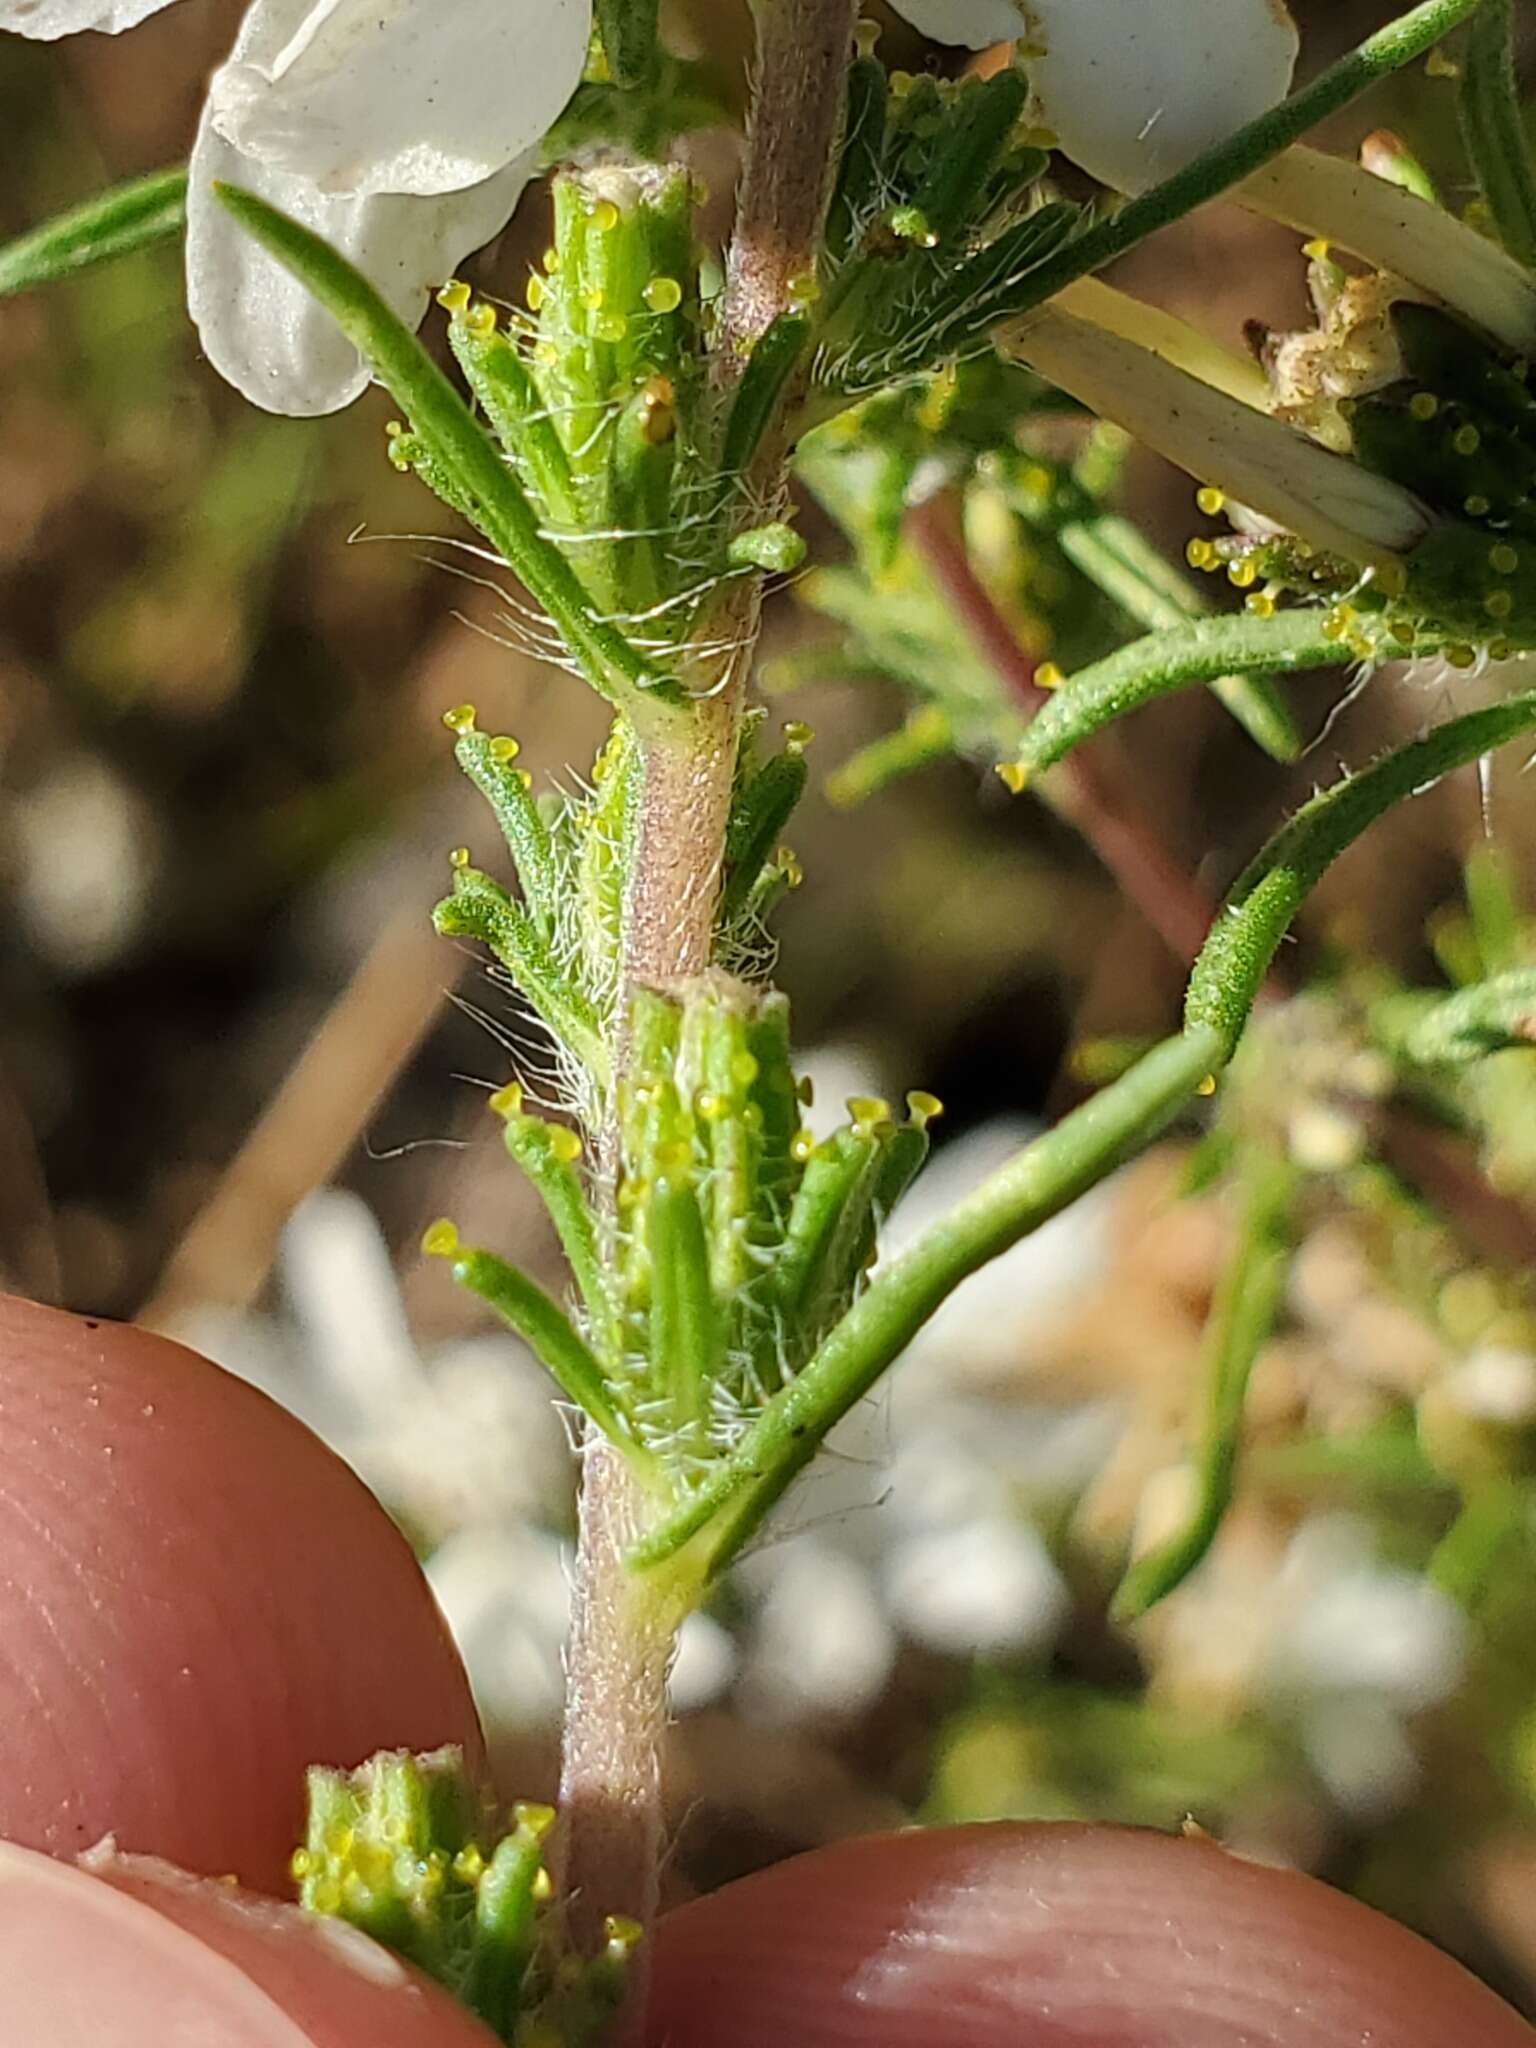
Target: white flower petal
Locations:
point(419, 96)
point(46, 20)
point(975, 23)
point(261, 329)
point(1133, 89)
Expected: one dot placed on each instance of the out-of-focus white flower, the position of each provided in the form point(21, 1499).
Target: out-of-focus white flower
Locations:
point(821, 1641)
point(84, 849)
point(403, 131)
point(1133, 89)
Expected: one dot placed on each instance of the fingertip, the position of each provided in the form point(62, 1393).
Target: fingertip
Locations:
point(198, 1601)
point(136, 1955)
point(1052, 1936)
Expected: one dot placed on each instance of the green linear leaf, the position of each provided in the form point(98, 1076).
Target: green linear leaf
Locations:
point(130, 217)
point(1257, 914)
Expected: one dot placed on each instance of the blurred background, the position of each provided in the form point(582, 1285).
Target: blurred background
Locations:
point(238, 1075)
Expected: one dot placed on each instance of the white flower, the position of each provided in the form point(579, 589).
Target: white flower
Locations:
point(1133, 89)
point(403, 131)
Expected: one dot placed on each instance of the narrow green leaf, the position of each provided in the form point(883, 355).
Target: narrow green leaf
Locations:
point(1242, 1320)
point(505, 1930)
point(546, 1153)
point(548, 1332)
point(481, 909)
point(1163, 662)
point(773, 362)
point(761, 811)
point(685, 1323)
point(1231, 969)
point(1495, 1016)
point(630, 41)
point(857, 189)
point(829, 1229)
point(116, 223)
point(491, 765)
point(1493, 127)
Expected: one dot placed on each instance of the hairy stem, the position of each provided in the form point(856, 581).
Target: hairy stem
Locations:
point(622, 1632)
point(804, 48)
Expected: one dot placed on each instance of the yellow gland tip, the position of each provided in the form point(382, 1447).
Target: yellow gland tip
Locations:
point(551, 261)
point(460, 719)
point(744, 1069)
point(1438, 65)
point(1466, 440)
point(1200, 554)
point(709, 1107)
point(866, 34)
point(1461, 656)
point(1013, 775)
point(508, 1101)
point(802, 1145)
point(1498, 604)
point(663, 295)
point(868, 1109)
point(1423, 405)
point(1261, 603)
point(440, 1240)
point(1503, 559)
point(564, 1144)
point(605, 216)
point(610, 327)
point(534, 292)
point(458, 857)
point(534, 1816)
point(798, 735)
point(804, 288)
point(805, 1090)
point(1477, 506)
point(1207, 1086)
point(1318, 250)
point(1211, 500)
point(299, 1865)
point(1243, 573)
point(1048, 676)
point(454, 296)
point(622, 1933)
point(592, 298)
point(504, 748)
point(923, 1107)
point(481, 320)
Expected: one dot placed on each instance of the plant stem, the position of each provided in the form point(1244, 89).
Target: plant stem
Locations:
point(804, 47)
point(623, 1627)
point(616, 1662)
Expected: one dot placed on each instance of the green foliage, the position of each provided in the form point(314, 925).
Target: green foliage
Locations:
point(130, 217)
point(403, 1849)
point(1068, 575)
